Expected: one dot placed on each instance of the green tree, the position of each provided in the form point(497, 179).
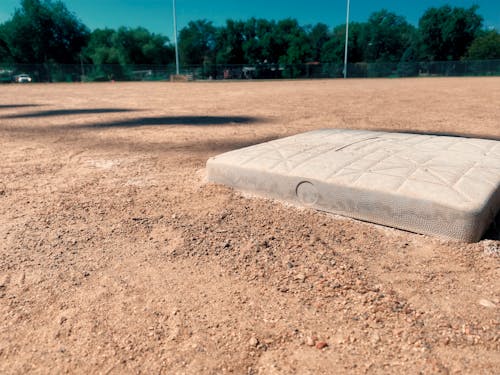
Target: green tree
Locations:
point(333, 50)
point(101, 49)
point(291, 42)
point(44, 31)
point(197, 42)
point(127, 46)
point(387, 37)
point(139, 46)
point(5, 54)
point(229, 43)
point(485, 47)
point(409, 64)
point(113, 50)
point(271, 42)
point(447, 33)
point(105, 55)
point(318, 35)
point(258, 34)
point(251, 47)
point(259, 41)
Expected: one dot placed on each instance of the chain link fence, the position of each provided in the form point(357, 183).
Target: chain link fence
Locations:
point(105, 73)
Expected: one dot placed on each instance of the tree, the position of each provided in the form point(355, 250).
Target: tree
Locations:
point(44, 31)
point(408, 66)
point(447, 33)
point(101, 49)
point(292, 45)
point(128, 46)
point(257, 33)
point(485, 47)
point(229, 43)
point(139, 46)
point(197, 42)
point(258, 41)
point(318, 35)
point(387, 37)
point(251, 48)
point(333, 49)
point(114, 50)
point(156, 49)
point(5, 54)
point(272, 45)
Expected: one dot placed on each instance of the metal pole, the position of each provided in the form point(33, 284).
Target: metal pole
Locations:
point(346, 38)
point(175, 40)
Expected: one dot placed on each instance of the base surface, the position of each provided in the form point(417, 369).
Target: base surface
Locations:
point(437, 185)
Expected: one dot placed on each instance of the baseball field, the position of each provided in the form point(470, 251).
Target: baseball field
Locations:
point(117, 257)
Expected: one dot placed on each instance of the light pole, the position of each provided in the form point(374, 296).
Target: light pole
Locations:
point(175, 40)
point(346, 38)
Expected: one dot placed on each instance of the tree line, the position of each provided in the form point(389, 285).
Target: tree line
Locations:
point(45, 31)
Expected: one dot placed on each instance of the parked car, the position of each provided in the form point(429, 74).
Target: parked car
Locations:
point(23, 78)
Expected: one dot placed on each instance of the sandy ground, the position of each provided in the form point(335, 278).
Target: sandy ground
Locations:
point(117, 258)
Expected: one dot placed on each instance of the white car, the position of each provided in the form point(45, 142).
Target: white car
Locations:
point(23, 78)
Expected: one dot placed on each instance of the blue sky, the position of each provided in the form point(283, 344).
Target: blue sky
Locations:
point(156, 15)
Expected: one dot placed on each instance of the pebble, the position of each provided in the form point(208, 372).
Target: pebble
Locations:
point(310, 341)
point(375, 338)
point(253, 341)
point(300, 277)
point(487, 303)
point(321, 345)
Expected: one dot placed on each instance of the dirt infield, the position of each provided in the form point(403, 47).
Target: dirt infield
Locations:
point(117, 258)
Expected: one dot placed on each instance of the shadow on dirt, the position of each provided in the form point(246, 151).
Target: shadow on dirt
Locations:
point(13, 106)
point(205, 148)
point(493, 232)
point(126, 123)
point(84, 137)
point(68, 112)
point(173, 120)
point(448, 134)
